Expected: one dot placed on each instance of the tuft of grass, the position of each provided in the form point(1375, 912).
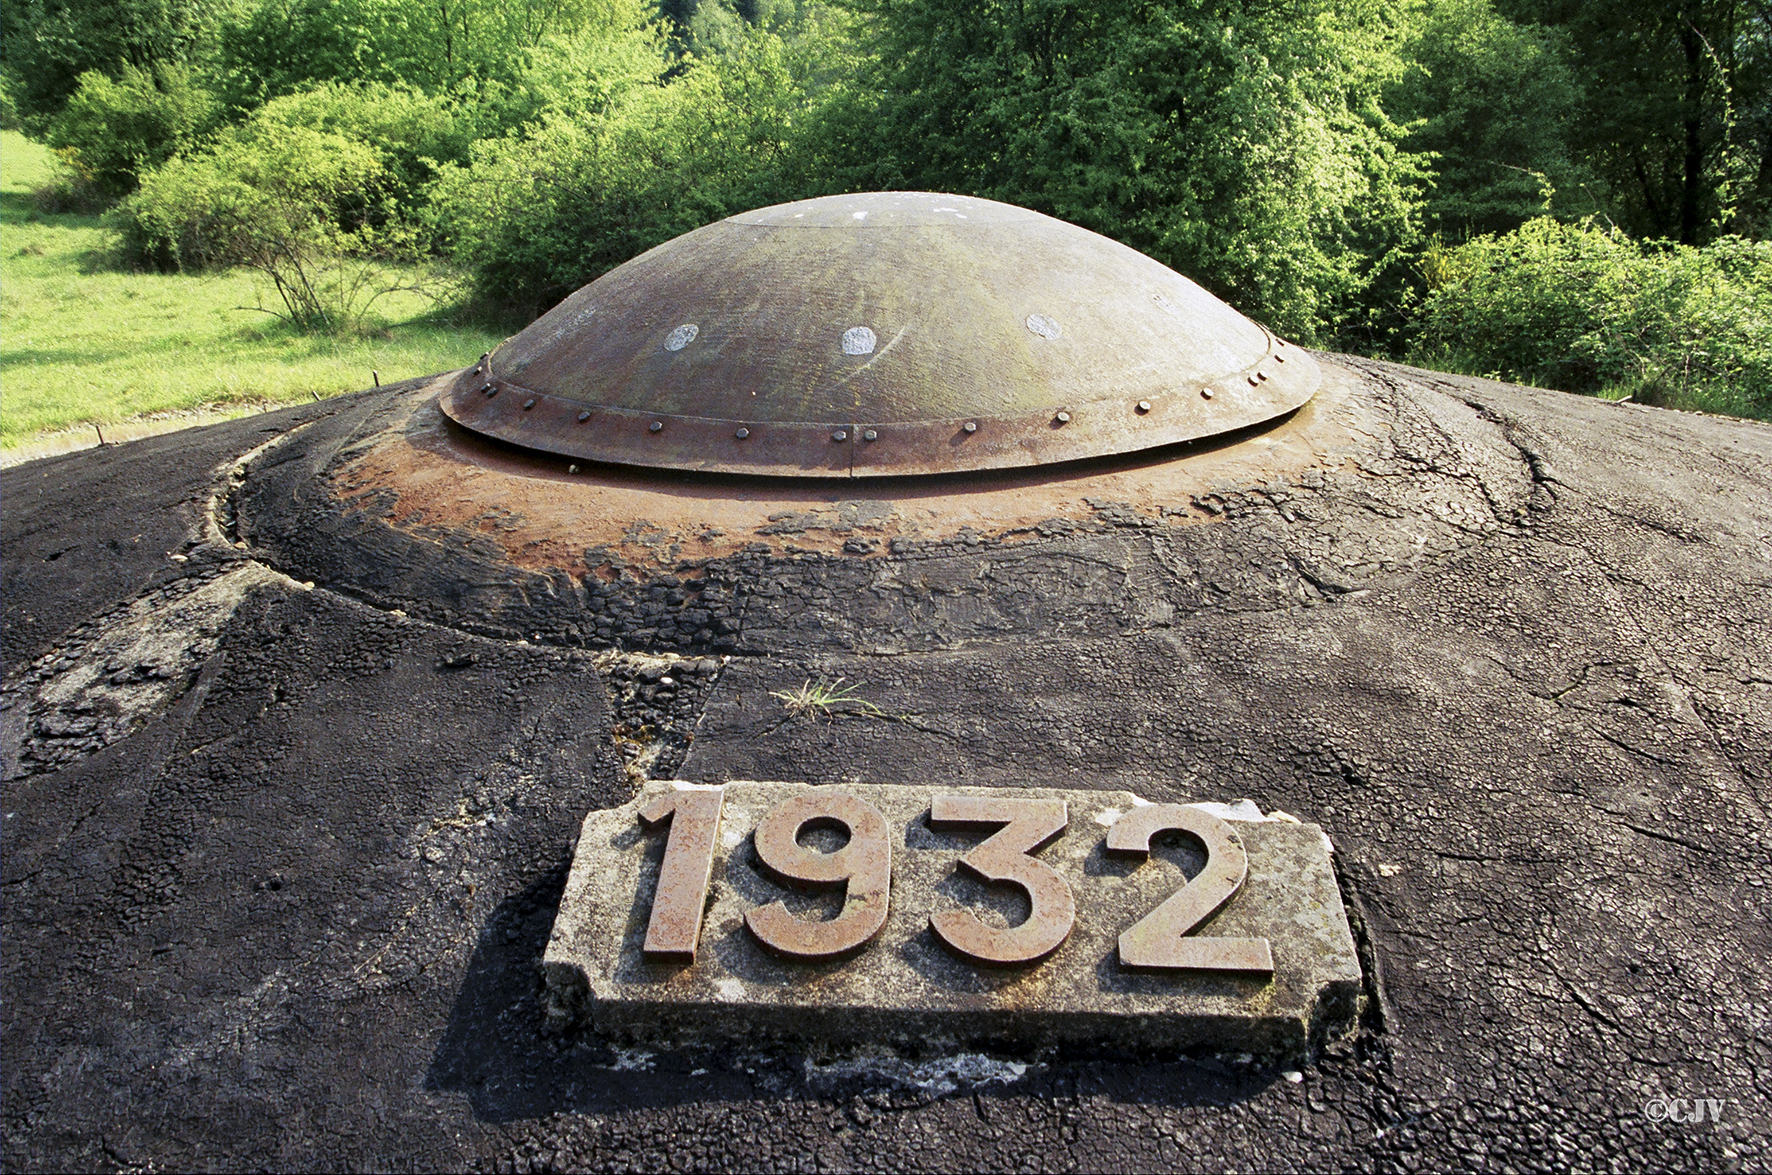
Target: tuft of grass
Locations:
point(824, 700)
point(88, 344)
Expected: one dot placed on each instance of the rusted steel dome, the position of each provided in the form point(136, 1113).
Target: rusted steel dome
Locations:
point(880, 334)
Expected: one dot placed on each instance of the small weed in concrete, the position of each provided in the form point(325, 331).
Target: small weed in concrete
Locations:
point(824, 700)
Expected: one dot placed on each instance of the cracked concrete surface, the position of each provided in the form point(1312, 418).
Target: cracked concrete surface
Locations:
point(1511, 649)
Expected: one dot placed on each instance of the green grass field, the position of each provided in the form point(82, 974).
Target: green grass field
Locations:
point(81, 342)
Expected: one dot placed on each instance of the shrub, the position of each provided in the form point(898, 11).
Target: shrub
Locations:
point(409, 131)
point(213, 208)
point(1587, 309)
point(297, 204)
point(1243, 144)
point(542, 211)
point(357, 156)
point(275, 47)
point(110, 132)
point(574, 75)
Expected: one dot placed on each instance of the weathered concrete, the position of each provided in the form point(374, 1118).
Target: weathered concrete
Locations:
point(904, 989)
point(282, 907)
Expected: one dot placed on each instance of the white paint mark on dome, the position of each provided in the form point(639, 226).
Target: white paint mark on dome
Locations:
point(681, 337)
point(859, 215)
point(1043, 326)
point(859, 340)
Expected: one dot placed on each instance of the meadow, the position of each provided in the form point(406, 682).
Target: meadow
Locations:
point(86, 342)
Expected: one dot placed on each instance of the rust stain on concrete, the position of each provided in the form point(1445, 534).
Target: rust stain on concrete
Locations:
point(547, 512)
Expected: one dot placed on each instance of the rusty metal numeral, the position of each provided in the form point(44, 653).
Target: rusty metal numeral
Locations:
point(675, 927)
point(863, 867)
point(1156, 940)
point(1003, 856)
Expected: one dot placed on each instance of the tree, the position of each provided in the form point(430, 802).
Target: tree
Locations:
point(278, 47)
point(1494, 104)
point(1242, 143)
point(1676, 115)
point(47, 45)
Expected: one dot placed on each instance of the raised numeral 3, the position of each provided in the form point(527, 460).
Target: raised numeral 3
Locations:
point(863, 867)
point(675, 926)
point(1003, 857)
point(1156, 940)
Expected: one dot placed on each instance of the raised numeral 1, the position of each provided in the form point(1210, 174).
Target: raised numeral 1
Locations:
point(675, 927)
point(1003, 857)
point(863, 867)
point(1156, 940)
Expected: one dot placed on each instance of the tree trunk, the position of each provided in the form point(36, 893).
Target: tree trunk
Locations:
point(1693, 46)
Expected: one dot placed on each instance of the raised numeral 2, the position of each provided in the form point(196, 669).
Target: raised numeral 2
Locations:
point(675, 926)
point(1156, 940)
point(863, 867)
point(1003, 857)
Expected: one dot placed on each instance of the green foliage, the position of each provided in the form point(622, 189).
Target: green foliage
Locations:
point(575, 74)
point(307, 208)
point(227, 204)
point(112, 131)
point(1287, 155)
point(49, 45)
point(1675, 110)
point(281, 46)
point(1585, 308)
point(1493, 103)
point(314, 183)
point(544, 210)
point(1242, 144)
point(93, 343)
point(409, 131)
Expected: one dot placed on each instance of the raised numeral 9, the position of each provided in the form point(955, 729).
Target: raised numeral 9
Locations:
point(863, 867)
point(1003, 857)
point(1156, 940)
point(675, 926)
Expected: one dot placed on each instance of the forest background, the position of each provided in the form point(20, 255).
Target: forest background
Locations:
point(253, 200)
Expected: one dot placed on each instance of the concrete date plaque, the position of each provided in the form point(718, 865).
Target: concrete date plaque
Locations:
point(877, 914)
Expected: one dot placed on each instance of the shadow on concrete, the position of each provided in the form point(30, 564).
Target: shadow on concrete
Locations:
point(496, 1053)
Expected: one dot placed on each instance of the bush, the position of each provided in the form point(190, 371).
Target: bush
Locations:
point(110, 132)
point(299, 205)
point(1587, 309)
point(540, 212)
point(51, 45)
point(215, 208)
point(409, 131)
point(1242, 144)
point(274, 47)
point(583, 73)
point(352, 157)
